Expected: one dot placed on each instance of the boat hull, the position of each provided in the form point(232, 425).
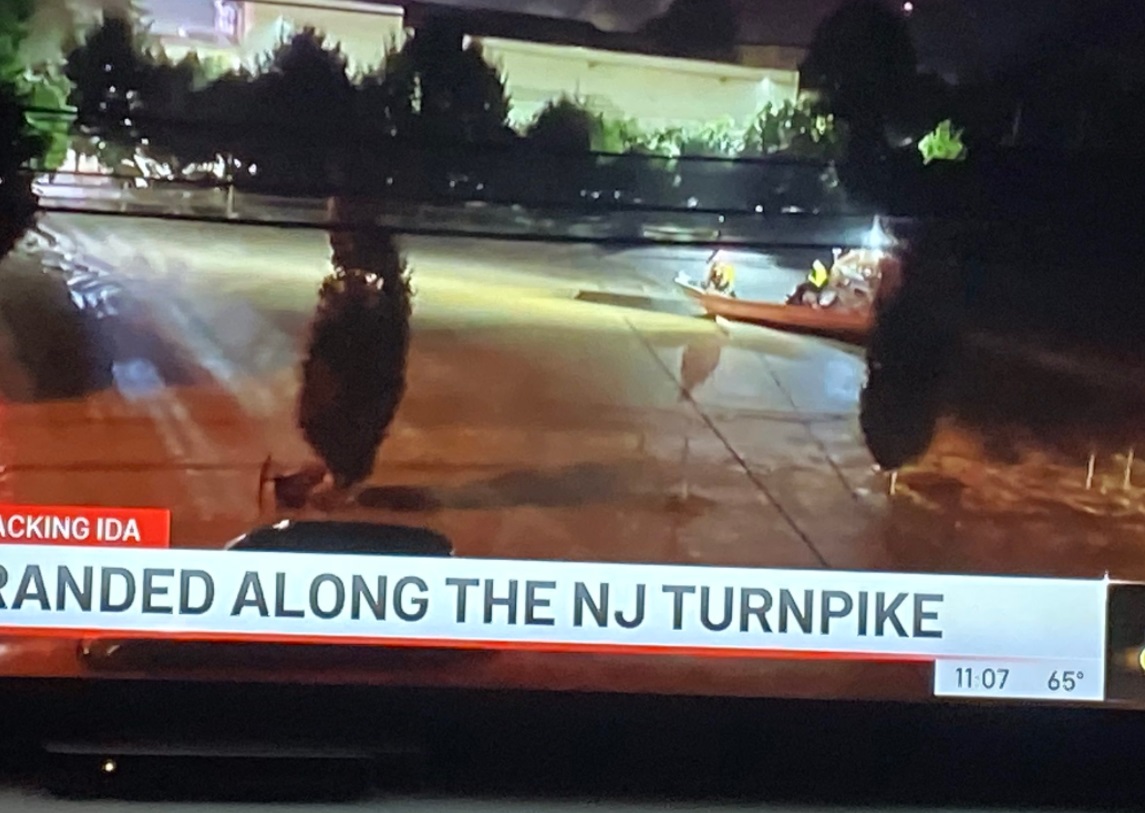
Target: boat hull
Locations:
point(852, 327)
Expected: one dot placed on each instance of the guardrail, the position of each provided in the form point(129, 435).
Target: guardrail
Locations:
point(222, 201)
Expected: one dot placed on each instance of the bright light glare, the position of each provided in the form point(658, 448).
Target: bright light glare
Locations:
point(877, 239)
point(908, 7)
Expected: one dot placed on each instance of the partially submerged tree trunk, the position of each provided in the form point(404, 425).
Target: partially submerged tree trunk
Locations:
point(354, 373)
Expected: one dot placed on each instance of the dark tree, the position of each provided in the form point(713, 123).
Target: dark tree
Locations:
point(948, 41)
point(434, 61)
point(912, 347)
point(21, 142)
point(111, 77)
point(300, 109)
point(559, 159)
point(211, 121)
point(50, 349)
point(863, 64)
point(383, 108)
point(441, 90)
point(479, 101)
point(131, 97)
point(1079, 98)
point(565, 126)
point(19, 145)
point(696, 28)
point(354, 373)
point(168, 86)
point(166, 123)
point(930, 101)
point(385, 97)
point(439, 97)
point(284, 126)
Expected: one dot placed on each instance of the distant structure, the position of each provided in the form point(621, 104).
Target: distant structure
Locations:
point(614, 73)
point(771, 57)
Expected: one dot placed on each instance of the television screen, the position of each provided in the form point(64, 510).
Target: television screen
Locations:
point(424, 345)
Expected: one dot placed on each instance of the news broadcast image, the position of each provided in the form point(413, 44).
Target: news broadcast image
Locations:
point(425, 344)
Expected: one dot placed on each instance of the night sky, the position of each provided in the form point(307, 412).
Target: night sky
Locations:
point(777, 21)
point(1000, 28)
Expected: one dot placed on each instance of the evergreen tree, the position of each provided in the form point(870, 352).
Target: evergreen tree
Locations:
point(354, 374)
point(300, 107)
point(445, 91)
point(863, 63)
point(110, 77)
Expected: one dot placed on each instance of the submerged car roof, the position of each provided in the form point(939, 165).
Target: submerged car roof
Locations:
point(344, 537)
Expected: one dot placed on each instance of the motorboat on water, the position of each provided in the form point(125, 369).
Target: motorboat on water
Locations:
point(851, 325)
point(836, 302)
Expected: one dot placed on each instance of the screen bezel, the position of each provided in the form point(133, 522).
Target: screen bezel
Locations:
point(614, 745)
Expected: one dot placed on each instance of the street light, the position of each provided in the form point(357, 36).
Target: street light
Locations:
point(907, 7)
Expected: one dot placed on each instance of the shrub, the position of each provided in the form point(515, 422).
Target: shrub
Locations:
point(800, 129)
point(24, 140)
point(354, 373)
point(566, 125)
point(943, 143)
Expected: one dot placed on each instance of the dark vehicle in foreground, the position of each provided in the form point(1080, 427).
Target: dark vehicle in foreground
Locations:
point(357, 538)
point(343, 537)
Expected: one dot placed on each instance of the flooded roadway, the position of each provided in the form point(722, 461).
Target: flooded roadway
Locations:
point(536, 425)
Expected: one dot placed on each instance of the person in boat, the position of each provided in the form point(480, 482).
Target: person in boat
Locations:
point(808, 291)
point(721, 274)
point(856, 278)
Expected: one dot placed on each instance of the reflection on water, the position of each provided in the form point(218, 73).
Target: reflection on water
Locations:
point(51, 344)
point(700, 359)
point(584, 484)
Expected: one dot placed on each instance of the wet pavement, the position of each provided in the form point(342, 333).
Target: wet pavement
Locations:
point(536, 425)
point(205, 382)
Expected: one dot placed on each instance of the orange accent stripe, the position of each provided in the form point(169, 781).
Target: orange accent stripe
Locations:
point(454, 643)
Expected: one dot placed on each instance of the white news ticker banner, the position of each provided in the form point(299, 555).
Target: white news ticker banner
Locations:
point(562, 605)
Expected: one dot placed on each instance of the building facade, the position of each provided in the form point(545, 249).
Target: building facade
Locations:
point(656, 91)
point(541, 59)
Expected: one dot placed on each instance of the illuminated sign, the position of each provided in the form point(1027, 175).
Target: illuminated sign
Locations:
point(228, 19)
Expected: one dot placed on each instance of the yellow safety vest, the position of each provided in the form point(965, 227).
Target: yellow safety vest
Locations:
point(724, 272)
point(819, 274)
